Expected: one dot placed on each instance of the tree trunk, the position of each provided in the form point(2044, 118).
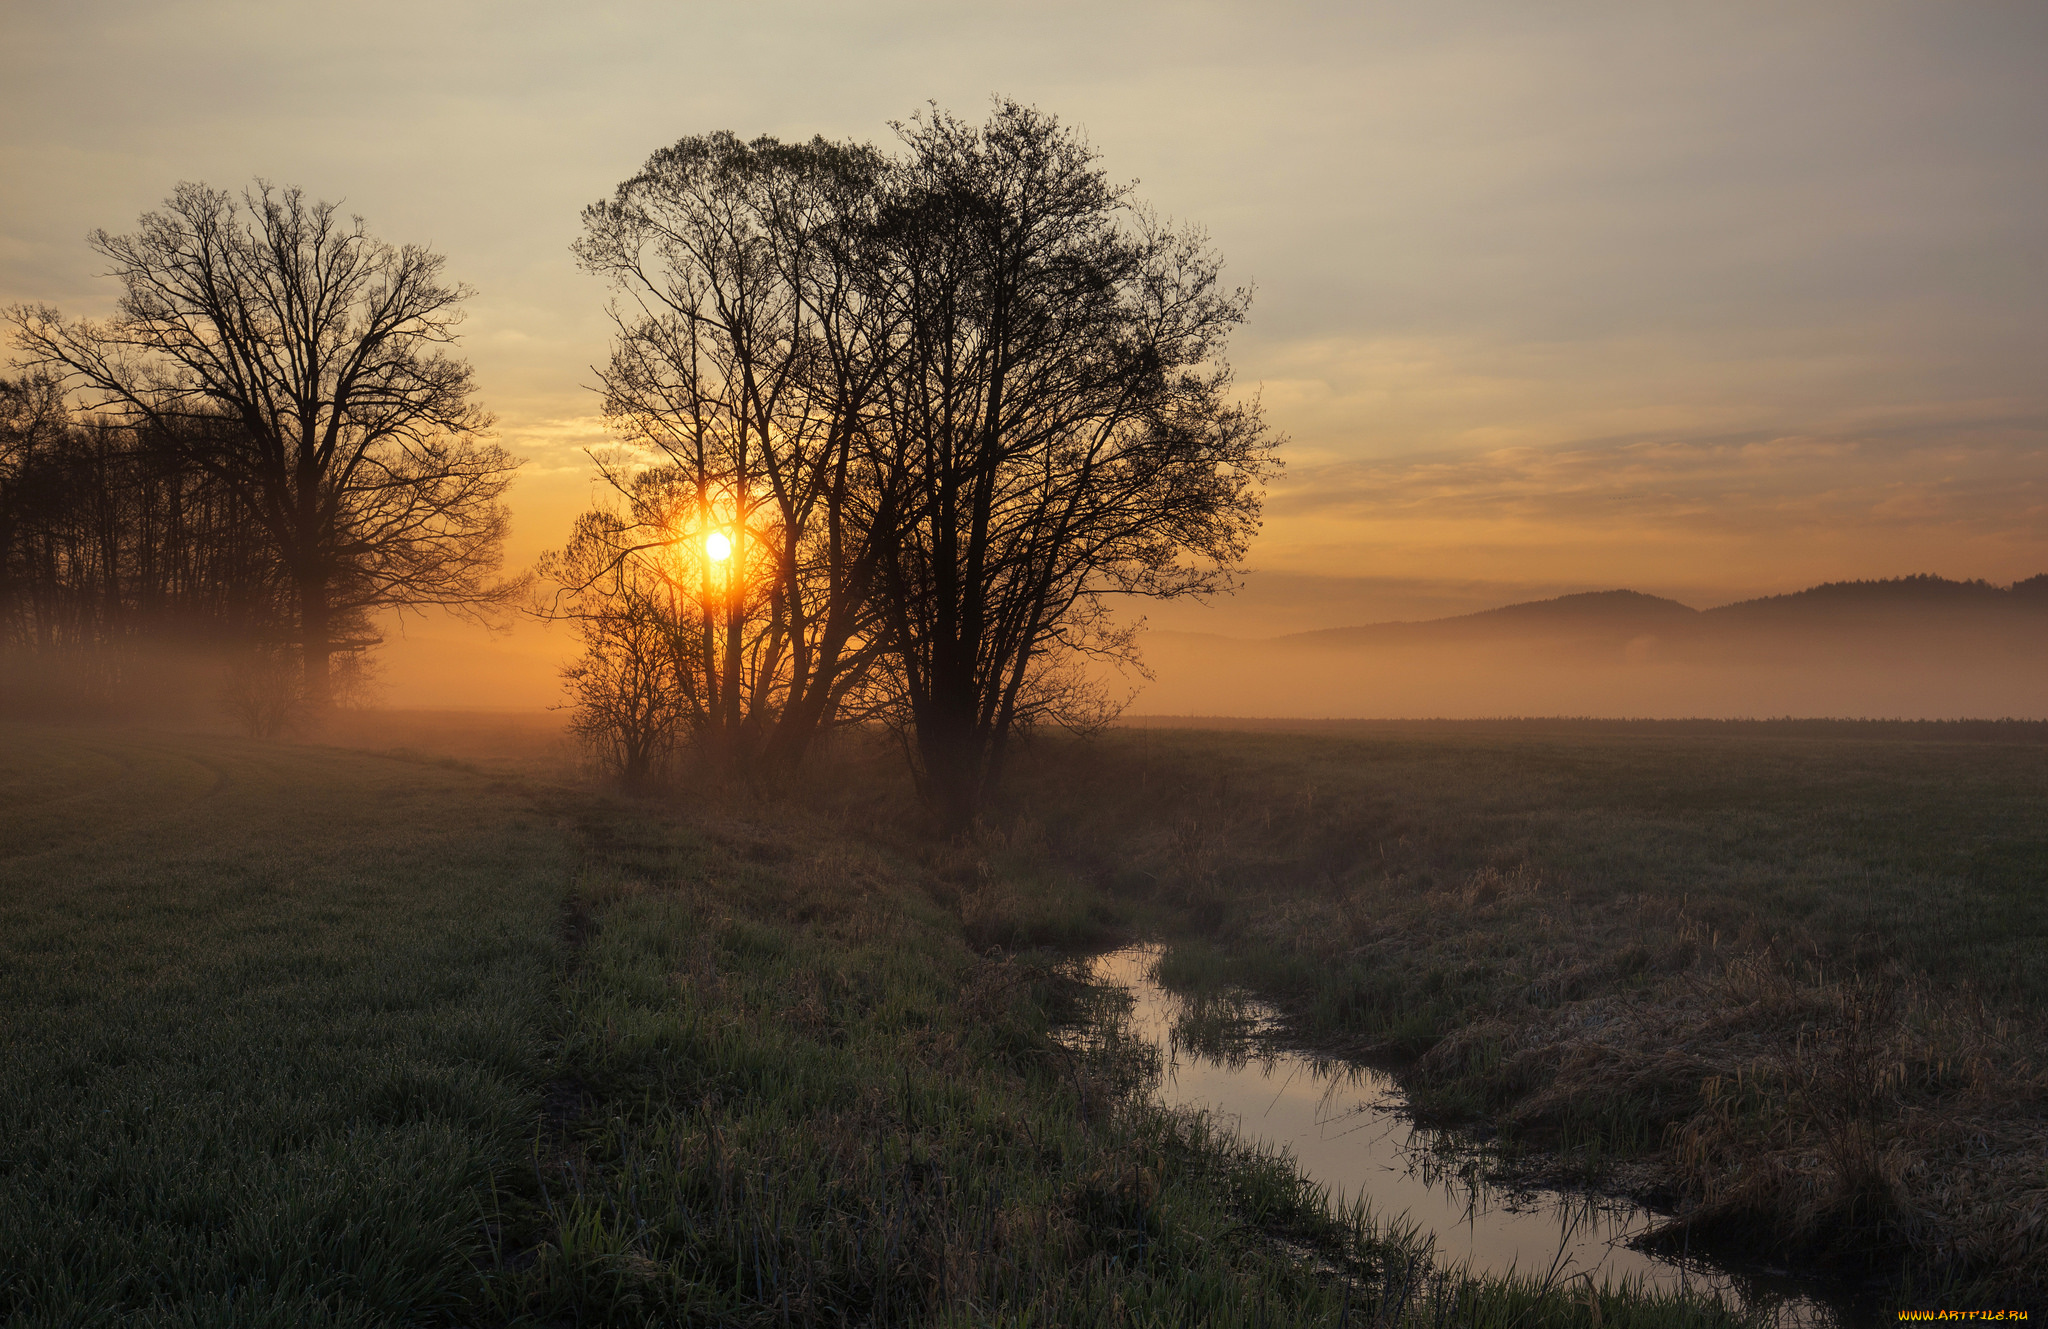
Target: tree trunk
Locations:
point(316, 639)
point(951, 753)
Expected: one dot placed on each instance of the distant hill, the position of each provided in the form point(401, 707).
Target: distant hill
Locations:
point(1909, 647)
point(1628, 614)
point(1588, 612)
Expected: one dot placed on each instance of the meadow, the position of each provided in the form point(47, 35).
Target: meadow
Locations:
point(1788, 977)
point(305, 1035)
point(273, 1020)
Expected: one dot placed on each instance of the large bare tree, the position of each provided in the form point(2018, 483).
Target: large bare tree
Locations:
point(1068, 426)
point(312, 359)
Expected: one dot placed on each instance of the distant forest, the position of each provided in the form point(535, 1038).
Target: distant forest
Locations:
point(114, 546)
point(123, 554)
point(134, 575)
point(1921, 589)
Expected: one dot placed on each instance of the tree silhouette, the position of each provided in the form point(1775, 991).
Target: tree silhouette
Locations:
point(746, 362)
point(306, 362)
point(1067, 430)
point(943, 404)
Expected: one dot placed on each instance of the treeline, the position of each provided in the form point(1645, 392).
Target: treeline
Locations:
point(116, 550)
point(1920, 589)
point(265, 445)
point(893, 427)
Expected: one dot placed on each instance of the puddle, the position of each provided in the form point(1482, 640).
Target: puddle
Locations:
point(1345, 1127)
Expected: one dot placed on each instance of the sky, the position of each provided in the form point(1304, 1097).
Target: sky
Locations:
point(1708, 301)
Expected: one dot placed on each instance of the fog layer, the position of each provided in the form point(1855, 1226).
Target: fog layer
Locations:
point(1938, 650)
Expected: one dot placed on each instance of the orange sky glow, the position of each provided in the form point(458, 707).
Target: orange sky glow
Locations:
point(1706, 301)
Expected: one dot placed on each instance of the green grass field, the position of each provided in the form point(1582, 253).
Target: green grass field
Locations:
point(275, 1021)
point(305, 1036)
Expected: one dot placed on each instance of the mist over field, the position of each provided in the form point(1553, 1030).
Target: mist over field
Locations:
point(1911, 649)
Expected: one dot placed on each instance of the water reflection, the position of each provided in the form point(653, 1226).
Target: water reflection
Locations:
point(1344, 1126)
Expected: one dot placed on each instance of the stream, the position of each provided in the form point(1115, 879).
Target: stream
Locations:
point(1347, 1127)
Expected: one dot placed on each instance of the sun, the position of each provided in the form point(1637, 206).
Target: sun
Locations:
point(716, 547)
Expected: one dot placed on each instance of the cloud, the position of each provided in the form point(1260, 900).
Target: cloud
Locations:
point(1980, 476)
point(1720, 515)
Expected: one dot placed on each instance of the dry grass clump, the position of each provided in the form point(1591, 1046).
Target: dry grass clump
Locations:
point(1872, 1115)
point(1857, 1119)
point(820, 1080)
